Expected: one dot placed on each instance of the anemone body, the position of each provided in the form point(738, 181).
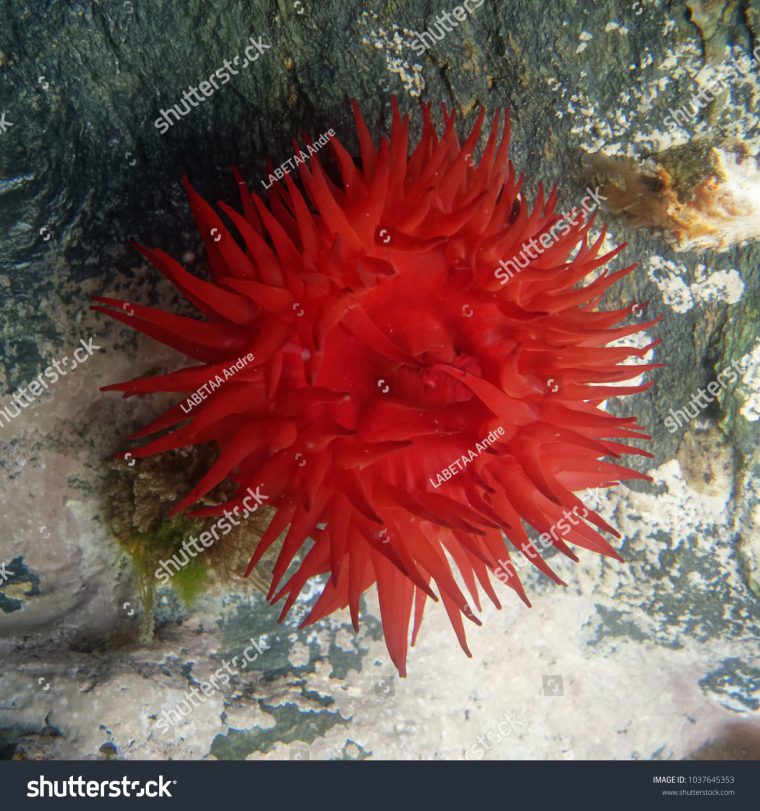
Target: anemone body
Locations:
point(384, 349)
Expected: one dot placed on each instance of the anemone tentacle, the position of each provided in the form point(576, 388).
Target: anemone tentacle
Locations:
point(384, 349)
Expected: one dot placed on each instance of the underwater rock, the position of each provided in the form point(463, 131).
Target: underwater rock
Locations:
point(85, 171)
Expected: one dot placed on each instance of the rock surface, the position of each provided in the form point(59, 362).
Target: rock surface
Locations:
point(654, 658)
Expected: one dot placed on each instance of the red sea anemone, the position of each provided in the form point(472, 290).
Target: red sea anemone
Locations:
point(385, 351)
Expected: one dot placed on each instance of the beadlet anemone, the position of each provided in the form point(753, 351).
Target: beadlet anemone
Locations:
point(384, 347)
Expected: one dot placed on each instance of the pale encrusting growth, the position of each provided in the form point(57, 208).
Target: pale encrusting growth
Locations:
point(725, 209)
